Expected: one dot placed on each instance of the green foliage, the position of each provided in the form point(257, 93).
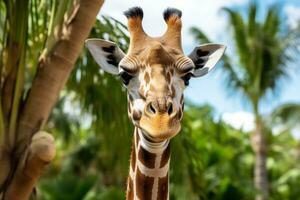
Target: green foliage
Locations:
point(287, 115)
point(24, 26)
point(106, 193)
point(265, 50)
point(67, 187)
point(210, 159)
point(283, 166)
point(102, 97)
point(207, 147)
point(92, 118)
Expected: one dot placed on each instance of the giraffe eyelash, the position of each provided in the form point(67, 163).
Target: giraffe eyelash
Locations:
point(186, 78)
point(186, 70)
point(125, 77)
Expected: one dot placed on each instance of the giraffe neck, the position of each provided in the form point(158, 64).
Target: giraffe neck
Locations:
point(149, 169)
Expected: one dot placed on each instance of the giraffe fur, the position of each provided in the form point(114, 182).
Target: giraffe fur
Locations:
point(155, 71)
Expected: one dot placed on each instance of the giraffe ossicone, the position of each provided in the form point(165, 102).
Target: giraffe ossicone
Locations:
point(155, 72)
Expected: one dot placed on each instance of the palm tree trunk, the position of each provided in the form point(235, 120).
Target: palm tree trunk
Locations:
point(22, 164)
point(259, 146)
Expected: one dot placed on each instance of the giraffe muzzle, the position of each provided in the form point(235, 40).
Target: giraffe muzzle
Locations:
point(160, 120)
point(161, 107)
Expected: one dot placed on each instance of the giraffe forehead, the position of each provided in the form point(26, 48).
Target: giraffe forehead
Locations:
point(155, 58)
point(156, 52)
point(154, 44)
point(157, 74)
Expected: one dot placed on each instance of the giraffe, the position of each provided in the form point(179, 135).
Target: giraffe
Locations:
point(155, 72)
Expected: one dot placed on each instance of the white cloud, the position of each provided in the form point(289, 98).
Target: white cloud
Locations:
point(203, 14)
point(280, 128)
point(239, 120)
point(293, 15)
point(296, 133)
point(246, 122)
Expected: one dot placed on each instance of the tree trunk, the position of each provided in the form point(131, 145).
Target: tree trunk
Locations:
point(22, 164)
point(259, 146)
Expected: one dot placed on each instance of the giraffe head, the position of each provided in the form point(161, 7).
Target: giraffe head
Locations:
point(155, 72)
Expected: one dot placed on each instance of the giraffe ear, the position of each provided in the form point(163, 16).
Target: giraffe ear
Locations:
point(107, 54)
point(205, 57)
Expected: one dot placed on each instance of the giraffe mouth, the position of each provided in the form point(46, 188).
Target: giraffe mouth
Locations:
point(160, 127)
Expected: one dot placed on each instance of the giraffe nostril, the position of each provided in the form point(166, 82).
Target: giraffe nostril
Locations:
point(170, 108)
point(151, 108)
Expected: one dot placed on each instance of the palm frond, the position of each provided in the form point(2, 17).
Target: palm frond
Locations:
point(232, 78)
point(199, 35)
point(252, 19)
point(272, 22)
point(265, 49)
point(240, 36)
point(101, 96)
point(287, 114)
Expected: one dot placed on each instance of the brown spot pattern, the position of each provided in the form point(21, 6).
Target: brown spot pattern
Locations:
point(163, 188)
point(165, 156)
point(147, 158)
point(179, 114)
point(144, 186)
point(168, 78)
point(173, 91)
point(181, 99)
point(147, 77)
point(130, 97)
point(142, 93)
point(136, 115)
point(172, 71)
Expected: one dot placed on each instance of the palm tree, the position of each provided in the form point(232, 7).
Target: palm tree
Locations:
point(287, 114)
point(265, 49)
point(30, 81)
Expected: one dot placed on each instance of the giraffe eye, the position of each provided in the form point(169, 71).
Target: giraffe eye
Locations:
point(125, 77)
point(186, 78)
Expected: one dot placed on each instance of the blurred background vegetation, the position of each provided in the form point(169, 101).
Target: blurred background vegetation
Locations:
point(211, 160)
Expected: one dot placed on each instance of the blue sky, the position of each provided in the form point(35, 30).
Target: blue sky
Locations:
point(211, 89)
point(206, 15)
